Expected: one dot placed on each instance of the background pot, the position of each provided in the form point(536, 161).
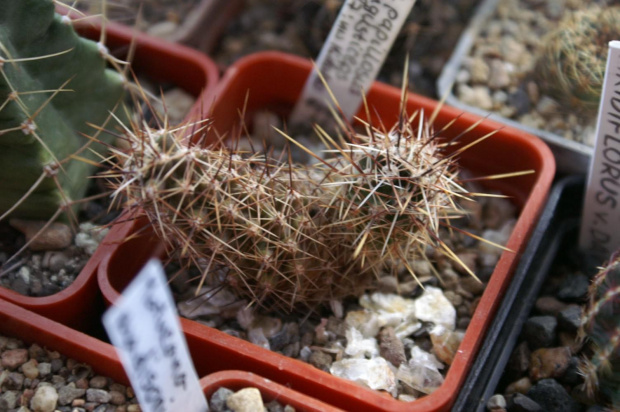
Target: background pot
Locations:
point(275, 80)
point(555, 233)
point(163, 62)
point(236, 380)
point(571, 156)
point(19, 323)
point(195, 23)
point(552, 253)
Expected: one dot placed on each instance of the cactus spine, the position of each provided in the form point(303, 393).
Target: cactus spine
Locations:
point(571, 66)
point(601, 327)
point(287, 235)
point(53, 84)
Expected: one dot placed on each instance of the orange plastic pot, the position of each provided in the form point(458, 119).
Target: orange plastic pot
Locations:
point(270, 391)
point(30, 327)
point(163, 62)
point(19, 323)
point(275, 80)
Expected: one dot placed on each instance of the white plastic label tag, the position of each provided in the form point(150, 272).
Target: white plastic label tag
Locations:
point(351, 57)
point(600, 224)
point(144, 327)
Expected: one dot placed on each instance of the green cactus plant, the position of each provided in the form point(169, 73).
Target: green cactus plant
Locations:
point(55, 90)
point(601, 328)
point(571, 64)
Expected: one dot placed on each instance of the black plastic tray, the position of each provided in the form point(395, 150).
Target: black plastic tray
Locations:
point(556, 231)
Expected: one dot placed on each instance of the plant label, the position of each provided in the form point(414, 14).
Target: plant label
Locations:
point(351, 57)
point(145, 328)
point(600, 225)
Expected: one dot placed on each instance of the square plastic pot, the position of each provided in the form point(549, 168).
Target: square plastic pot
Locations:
point(571, 156)
point(19, 323)
point(554, 240)
point(163, 62)
point(271, 391)
point(275, 80)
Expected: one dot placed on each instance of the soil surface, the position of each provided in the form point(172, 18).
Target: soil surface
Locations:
point(501, 71)
point(33, 378)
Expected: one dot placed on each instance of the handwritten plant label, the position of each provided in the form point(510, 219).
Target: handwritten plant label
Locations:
point(145, 328)
point(351, 57)
point(600, 225)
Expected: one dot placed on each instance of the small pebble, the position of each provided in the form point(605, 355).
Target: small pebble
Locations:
point(68, 393)
point(496, 402)
point(549, 305)
point(44, 400)
point(55, 236)
point(540, 331)
point(320, 360)
point(8, 400)
point(30, 369)
point(499, 77)
point(574, 287)
point(14, 358)
point(98, 382)
point(521, 403)
point(519, 361)
point(391, 347)
point(478, 96)
point(569, 319)
point(117, 398)
point(520, 386)
point(245, 400)
point(97, 395)
point(549, 363)
point(552, 396)
point(217, 403)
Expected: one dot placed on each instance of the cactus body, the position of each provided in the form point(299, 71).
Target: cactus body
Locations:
point(571, 67)
point(52, 84)
point(290, 236)
point(397, 189)
point(601, 326)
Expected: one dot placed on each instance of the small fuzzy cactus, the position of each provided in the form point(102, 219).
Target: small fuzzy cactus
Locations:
point(290, 236)
point(601, 328)
point(55, 90)
point(571, 65)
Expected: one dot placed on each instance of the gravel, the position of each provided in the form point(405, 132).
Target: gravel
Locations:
point(45, 272)
point(498, 74)
point(543, 371)
point(324, 338)
point(37, 379)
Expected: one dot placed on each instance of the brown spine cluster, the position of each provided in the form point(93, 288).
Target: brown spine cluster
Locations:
point(287, 235)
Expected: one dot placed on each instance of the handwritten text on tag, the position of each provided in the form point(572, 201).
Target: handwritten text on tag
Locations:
point(351, 57)
point(145, 328)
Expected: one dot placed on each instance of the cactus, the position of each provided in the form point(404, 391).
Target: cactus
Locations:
point(571, 65)
point(397, 189)
point(259, 220)
point(601, 327)
point(288, 236)
point(55, 89)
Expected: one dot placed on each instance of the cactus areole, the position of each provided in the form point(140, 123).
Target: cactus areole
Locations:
point(55, 90)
